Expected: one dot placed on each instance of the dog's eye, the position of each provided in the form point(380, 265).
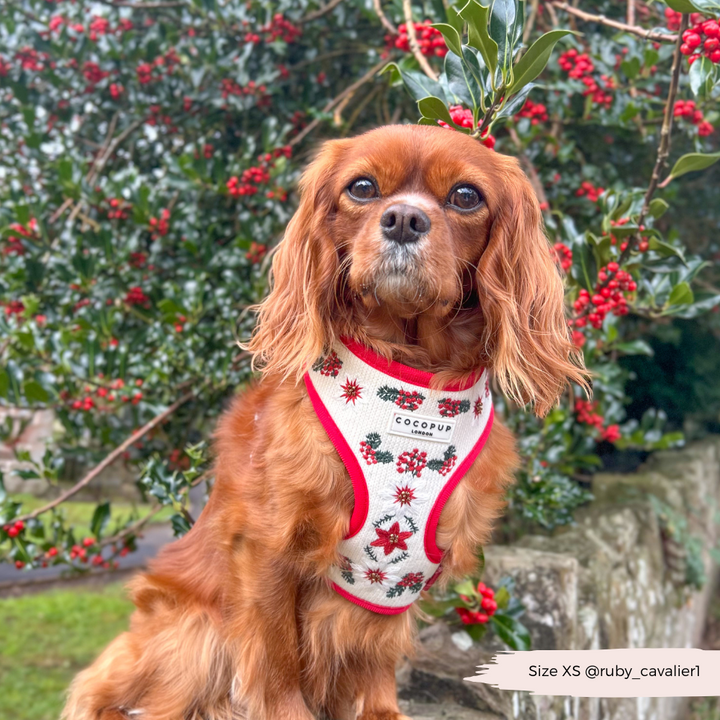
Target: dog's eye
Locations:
point(363, 189)
point(465, 197)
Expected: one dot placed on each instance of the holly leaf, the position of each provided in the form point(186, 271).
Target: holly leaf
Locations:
point(658, 207)
point(683, 6)
point(665, 249)
point(533, 62)
point(451, 36)
point(701, 74)
point(693, 162)
point(511, 631)
point(476, 16)
point(100, 519)
point(681, 294)
point(34, 392)
point(434, 107)
point(418, 84)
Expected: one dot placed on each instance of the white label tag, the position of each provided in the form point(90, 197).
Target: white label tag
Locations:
point(421, 426)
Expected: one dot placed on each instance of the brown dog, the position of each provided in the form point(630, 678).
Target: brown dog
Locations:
point(426, 247)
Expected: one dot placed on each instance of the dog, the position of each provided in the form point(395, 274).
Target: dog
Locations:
point(417, 256)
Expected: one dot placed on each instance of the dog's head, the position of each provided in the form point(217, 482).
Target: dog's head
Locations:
point(421, 242)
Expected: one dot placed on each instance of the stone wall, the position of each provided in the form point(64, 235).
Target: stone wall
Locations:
point(614, 580)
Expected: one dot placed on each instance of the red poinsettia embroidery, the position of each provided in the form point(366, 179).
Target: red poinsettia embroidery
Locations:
point(375, 575)
point(391, 539)
point(478, 408)
point(412, 462)
point(329, 366)
point(351, 392)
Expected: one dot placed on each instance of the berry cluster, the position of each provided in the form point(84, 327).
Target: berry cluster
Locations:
point(247, 183)
point(105, 396)
point(136, 296)
point(119, 209)
point(159, 227)
point(14, 307)
point(256, 253)
point(612, 283)
point(281, 28)
point(156, 117)
point(579, 66)
point(564, 255)
point(451, 408)
point(98, 26)
point(486, 609)
point(15, 246)
point(412, 462)
point(703, 38)
point(687, 110)
point(464, 118)
point(15, 529)
point(409, 400)
point(93, 74)
point(31, 59)
point(586, 412)
point(536, 112)
point(329, 366)
point(588, 190)
point(229, 87)
point(430, 40)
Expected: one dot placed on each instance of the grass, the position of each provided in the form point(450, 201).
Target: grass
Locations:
point(80, 513)
point(46, 639)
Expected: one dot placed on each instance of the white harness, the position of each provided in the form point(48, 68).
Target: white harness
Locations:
point(406, 447)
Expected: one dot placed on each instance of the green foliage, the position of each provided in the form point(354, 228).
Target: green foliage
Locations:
point(149, 157)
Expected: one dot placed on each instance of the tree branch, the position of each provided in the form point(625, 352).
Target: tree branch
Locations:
point(664, 146)
point(384, 18)
point(349, 90)
point(624, 27)
point(412, 39)
point(318, 13)
point(111, 458)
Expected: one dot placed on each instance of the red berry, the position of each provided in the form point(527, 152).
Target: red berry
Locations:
point(685, 49)
point(692, 40)
point(88, 541)
point(711, 44)
point(644, 246)
point(19, 564)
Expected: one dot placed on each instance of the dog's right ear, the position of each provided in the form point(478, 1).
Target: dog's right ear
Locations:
point(295, 320)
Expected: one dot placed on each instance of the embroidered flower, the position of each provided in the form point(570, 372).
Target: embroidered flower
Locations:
point(477, 411)
point(487, 387)
point(412, 462)
point(402, 499)
point(351, 394)
point(391, 539)
point(377, 573)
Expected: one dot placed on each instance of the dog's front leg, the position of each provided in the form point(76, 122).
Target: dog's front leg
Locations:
point(268, 675)
point(379, 694)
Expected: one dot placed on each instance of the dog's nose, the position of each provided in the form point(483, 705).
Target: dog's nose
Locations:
point(403, 223)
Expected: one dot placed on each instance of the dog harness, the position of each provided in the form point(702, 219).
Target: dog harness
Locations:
point(406, 447)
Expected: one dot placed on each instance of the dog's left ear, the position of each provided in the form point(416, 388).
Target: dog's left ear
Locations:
point(522, 299)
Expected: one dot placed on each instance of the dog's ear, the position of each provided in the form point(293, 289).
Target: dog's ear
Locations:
point(521, 295)
point(295, 320)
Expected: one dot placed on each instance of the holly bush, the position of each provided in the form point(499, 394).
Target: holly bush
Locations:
point(150, 152)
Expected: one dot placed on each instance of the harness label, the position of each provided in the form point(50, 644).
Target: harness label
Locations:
point(420, 426)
